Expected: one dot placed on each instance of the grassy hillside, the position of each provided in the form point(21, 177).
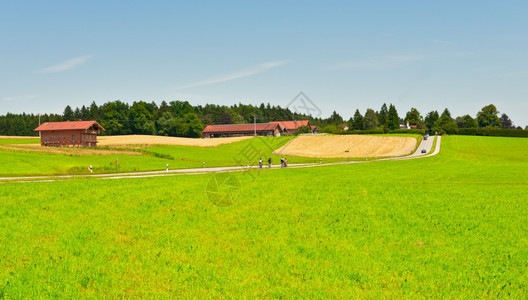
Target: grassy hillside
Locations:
point(451, 226)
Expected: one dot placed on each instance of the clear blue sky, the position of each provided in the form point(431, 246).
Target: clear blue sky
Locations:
point(345, 55)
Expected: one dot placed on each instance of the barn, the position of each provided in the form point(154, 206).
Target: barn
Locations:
point(75, 134)
point(230, 130)
point(290, 127)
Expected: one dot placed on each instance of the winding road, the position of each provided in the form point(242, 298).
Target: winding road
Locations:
point(424, 144)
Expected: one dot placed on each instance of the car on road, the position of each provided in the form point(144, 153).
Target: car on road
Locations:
point(424, 151)
point(425, 137)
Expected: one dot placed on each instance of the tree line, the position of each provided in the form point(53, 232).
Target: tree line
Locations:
point(176, 118)
point(180, 118)
point(387, 119)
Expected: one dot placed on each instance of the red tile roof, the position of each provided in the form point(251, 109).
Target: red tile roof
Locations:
point(239, 127)
point(292, 125)
point(67, 125)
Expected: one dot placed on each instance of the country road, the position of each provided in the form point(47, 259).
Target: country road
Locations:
point(424, 144)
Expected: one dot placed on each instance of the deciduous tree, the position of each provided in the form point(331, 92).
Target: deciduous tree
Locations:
point(487, 117)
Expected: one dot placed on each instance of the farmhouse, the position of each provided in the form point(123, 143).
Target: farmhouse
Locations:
point(407, 126)
point(230, 130)
point(290, 127)
point(77, 133)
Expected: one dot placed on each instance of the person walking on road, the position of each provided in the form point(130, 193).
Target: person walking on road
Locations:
point(282, 162)
point(260, 163)
point(269, 162)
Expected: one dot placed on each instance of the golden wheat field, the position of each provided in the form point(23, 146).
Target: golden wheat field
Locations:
point(119, 140)
point(334, 146)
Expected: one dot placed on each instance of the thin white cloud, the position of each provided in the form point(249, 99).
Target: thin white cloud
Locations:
point(236, 75)
point(66, 65)
point(380, 62)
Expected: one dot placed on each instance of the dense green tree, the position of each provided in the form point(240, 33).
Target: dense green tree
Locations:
point(466, 121)
point(163, 108)
point(85, 113)
point(180, 108)
point(95, 113)
point(446, 123)
point(357, 121)
point(487, 117)
point(430, 120)
point(77, 114)
point(383, 115)
point(330, 128)
point(141, 118)
point(68, 113)
point(393, 118)
point(413, 117)
point(335, 119)
point(506, 123)
point(115, 118)
point(370, 121)
point(192, 126)
point(303, 129)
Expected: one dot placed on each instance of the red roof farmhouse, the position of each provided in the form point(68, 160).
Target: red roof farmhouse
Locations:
point(290, 127)
point(229, 130)
point(76, 133)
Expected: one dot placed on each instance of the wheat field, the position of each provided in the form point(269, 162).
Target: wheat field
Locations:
point(120, 140)
point(334, 146)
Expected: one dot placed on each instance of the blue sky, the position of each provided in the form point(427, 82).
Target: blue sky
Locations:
point(345, 55)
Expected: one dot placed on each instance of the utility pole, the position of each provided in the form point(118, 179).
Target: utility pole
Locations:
point(39, 124)
point(255, 124)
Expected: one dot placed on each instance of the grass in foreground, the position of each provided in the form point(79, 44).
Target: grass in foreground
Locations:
point(449, 226)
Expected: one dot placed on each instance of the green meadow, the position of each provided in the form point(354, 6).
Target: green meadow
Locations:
point(449, 226)
point(11, 141)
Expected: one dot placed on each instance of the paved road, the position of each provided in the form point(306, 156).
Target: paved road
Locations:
point(425, 144)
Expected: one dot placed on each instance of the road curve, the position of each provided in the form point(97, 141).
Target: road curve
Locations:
point(424, 144)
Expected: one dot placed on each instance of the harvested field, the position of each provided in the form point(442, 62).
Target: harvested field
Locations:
point(65, 150)
point(334, 146)
point(125, 140)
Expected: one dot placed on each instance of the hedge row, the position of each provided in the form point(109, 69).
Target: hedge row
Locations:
point(502, 132)
point(409, 131)
point(370, 131)
point(460, 131)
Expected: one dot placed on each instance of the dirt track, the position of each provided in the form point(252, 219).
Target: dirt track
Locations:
point(334, 146)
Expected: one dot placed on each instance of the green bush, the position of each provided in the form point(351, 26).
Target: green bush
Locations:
point(370, 131)
point(487, 131)
point(409, 131)
point(467, 131)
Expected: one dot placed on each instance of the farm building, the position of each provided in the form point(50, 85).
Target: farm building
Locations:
point(290, 127)
point(407, 126)
point(77, 133)
point(230, 130)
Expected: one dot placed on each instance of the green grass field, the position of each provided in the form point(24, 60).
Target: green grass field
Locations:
point(8, 141)
point(451, 226)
